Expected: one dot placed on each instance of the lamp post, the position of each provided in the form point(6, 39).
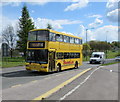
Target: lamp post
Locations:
point(106, 44)
point(86, 44)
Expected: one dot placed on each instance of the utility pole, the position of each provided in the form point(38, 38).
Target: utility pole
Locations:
point(86, 44)
point(106, 44)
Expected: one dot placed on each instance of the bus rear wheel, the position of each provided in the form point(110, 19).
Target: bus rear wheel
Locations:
point(76, 64)
point(58, 68)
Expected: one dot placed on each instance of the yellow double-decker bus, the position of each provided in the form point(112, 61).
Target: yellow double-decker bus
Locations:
point(49, 51)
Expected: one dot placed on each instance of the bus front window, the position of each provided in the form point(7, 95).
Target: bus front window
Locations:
point(40, 35)
point(37, 56)
point(32, 36)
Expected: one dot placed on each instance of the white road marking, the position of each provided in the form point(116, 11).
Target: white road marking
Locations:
point(70, 92)
point(111, 70)
point(15, 85)
point(34, 81)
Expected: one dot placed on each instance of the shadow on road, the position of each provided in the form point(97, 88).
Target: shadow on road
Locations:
point(24, 73)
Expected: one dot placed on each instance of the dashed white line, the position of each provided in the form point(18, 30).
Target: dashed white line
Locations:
point(71, 91)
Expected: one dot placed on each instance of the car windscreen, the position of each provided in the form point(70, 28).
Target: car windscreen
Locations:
point(96, 55)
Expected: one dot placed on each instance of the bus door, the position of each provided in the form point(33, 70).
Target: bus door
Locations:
point(51, 61)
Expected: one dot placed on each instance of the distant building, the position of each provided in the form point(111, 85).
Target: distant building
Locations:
point(5, 49)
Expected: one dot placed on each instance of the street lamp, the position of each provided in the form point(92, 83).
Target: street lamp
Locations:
point(86, 44)
point(106, 44)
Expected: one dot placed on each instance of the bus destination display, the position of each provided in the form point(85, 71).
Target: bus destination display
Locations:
point(36, 44)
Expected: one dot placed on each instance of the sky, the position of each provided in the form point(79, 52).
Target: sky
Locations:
point(74, 17)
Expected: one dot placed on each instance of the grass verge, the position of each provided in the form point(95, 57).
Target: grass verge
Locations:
point(12, 62)
point(110, 63)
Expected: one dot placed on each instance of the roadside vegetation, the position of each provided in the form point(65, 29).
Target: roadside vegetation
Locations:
point(12, 62)
point(111, 49)
point(110, 63)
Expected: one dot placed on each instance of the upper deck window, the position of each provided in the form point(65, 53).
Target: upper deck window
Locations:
point(32, 36)
point(80, 41)
point(51, 37)
point(59, 37)
point(41, 35)
point(76, 41)
point(66, 39)
point(71, 40)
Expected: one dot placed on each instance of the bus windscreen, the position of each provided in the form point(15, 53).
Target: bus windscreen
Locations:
point(37, 56)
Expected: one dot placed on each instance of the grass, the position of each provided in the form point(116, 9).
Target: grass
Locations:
point(12, 62)
point(111, 54)
point(110, 63)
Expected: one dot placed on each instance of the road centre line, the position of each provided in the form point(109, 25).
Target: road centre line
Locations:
point(75, 88)
point(34, 81)
point(60, 86)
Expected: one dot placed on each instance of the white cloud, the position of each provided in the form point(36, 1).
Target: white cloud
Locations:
point(109, 31)
point(78, 5)
point(96, 23)
point(56, 24)
point(113, 15)
point(100, 34)
point(32, 2)
point(96, 16)
point(4, 21)
point(113, 10)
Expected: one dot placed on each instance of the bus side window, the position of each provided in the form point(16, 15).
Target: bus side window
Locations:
point(66, 39)
point(66, 55)
point(76, 41)
point(60, 55)
point(80, 41)
point(71, 40)
point(51, 37)
point(59, 37)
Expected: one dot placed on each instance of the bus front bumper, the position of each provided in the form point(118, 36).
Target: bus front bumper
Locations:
point(37, 67)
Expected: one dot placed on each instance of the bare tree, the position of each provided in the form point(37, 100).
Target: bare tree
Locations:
point(9, 37)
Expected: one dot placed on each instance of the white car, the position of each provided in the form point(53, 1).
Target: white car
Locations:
point(117, 58)
point(97, 57)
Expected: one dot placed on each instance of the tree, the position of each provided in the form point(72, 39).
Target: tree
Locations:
point(99, 45)
point(49, 26)
point(9, 37)
point(25, 25)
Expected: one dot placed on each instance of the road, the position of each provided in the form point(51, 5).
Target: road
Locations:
point(19, 84)
point(99, 84)
point(18, 75)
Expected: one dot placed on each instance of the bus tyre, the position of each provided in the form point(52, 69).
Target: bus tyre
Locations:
point(58, 68)
point(76, 64)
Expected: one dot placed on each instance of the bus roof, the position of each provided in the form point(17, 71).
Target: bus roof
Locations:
point(57, 33)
